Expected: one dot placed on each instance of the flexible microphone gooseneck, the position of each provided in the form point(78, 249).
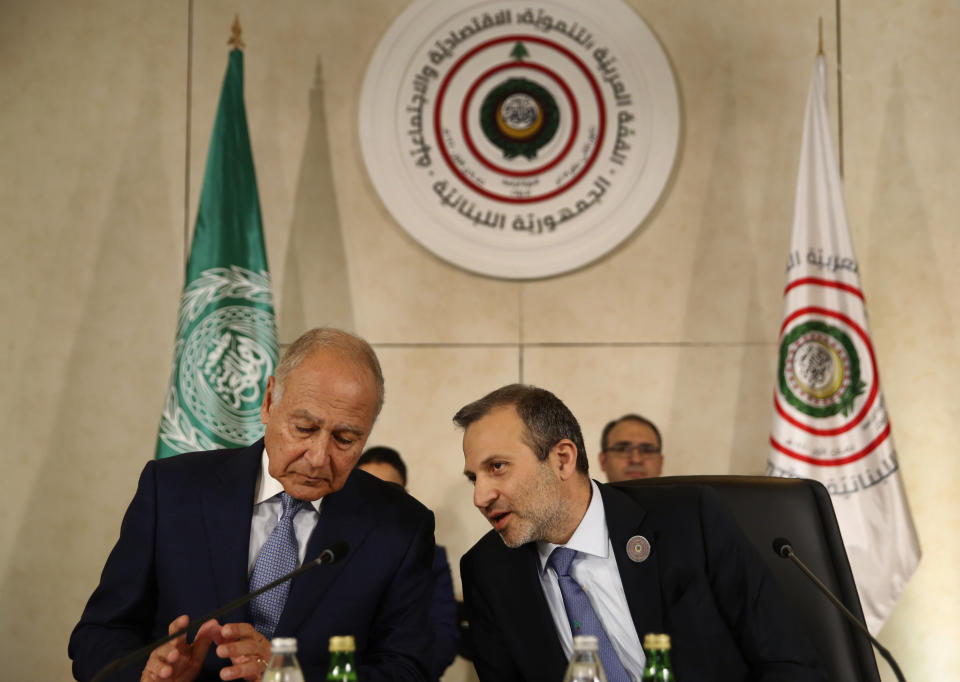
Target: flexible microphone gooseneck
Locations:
point(782, 548)
point(331, 555)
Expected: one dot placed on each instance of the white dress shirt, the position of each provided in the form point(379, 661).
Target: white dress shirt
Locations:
point(266, 514)
point(595, 570)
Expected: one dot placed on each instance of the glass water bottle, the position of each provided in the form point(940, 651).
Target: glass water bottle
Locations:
point(283, 665)
point(585, 663)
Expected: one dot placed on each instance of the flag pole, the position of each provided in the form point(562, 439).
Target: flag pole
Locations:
point(186, 174)
point(235, 41)
point(839, 94)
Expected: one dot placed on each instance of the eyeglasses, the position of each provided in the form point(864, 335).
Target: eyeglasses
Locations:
point(646, 451)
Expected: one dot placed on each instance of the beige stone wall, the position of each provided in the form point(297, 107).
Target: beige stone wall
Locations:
point(679, 323)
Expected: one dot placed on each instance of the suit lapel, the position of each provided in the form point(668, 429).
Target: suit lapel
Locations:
point(227, 513)
point(626, 518)
point(532, 625)
point(341, 518)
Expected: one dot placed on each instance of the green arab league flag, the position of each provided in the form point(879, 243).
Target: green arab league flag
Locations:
point(226, 345)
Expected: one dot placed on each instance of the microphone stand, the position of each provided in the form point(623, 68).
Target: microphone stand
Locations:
point(786, 551)
point(326, 557)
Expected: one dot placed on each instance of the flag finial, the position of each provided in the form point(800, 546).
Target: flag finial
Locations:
point(820, 38)
point(235, 41)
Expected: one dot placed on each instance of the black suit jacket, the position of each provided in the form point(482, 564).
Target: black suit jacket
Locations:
point(183, 548)
point(703, 584)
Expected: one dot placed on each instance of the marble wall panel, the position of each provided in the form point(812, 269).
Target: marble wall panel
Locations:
point(425, 387)
point(900, 91)
point(91, 209)
point(711, 403)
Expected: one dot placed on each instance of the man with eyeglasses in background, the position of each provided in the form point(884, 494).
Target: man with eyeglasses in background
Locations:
point(631, 447)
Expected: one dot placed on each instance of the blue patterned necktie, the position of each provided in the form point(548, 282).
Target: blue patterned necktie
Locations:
point(583, 619)
point(277, 557)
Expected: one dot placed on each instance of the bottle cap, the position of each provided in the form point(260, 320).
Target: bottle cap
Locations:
point(585, 643)
point(342, 643)
point(656, 640)
point(283, 645)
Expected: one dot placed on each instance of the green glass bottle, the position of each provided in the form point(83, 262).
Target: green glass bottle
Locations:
point(651, 671)
point(343, 667)
point(659, 668)
point(666, 667)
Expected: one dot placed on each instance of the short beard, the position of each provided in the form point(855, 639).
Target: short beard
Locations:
point(546, 514)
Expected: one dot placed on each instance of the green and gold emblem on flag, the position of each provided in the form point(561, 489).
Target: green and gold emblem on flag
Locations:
point(226, 344)
point(819, 371)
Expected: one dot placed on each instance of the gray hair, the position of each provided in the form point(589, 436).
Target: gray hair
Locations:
point(327, 337)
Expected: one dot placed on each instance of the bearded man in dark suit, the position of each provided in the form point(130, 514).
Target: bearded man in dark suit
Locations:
point(198, 531)
point(570, 556)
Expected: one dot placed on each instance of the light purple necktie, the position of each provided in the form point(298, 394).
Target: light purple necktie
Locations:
point(583, 619)
point(277, 557)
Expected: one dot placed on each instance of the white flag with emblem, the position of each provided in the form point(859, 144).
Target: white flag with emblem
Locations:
point(829, 419)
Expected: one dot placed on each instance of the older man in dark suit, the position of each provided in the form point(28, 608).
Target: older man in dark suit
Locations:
point(204, 528)
point(576, 557)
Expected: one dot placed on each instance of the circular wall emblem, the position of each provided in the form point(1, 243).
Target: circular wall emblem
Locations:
point(519, 142)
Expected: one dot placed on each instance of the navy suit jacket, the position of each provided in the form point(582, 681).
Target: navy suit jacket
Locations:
point(183, 548)
point(443, 616)
point(703, 584)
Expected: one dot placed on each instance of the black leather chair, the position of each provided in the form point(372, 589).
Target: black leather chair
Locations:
point(801, 511)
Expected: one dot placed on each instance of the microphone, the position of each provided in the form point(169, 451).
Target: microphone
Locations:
point(330, 555)
point(782, 548)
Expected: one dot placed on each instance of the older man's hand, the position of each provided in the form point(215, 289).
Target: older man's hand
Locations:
point(247, 650)
point(178, 661)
